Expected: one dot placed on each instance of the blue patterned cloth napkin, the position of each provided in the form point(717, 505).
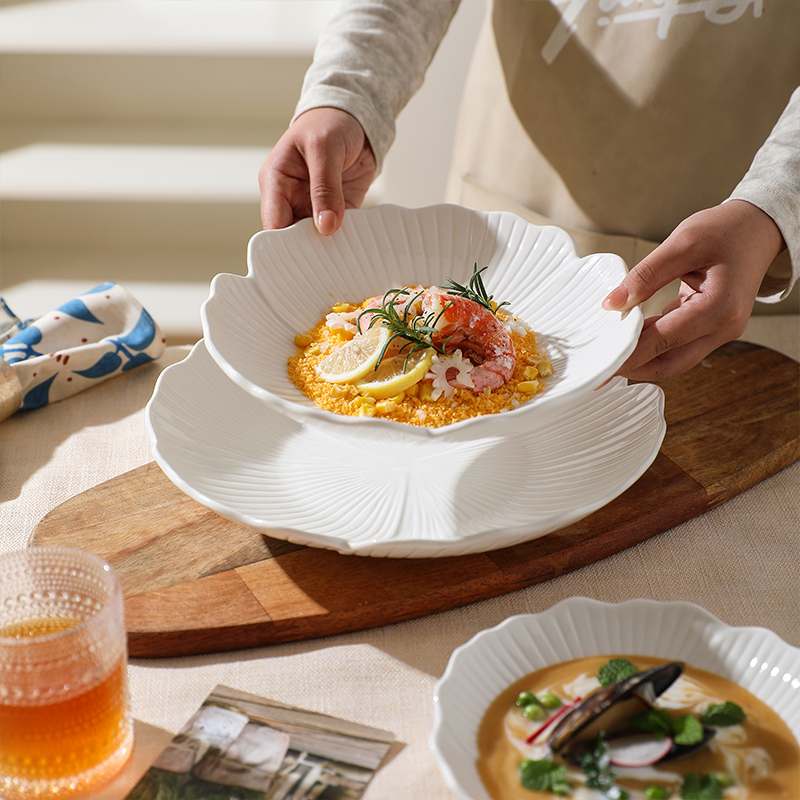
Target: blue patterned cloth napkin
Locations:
point(99, 334)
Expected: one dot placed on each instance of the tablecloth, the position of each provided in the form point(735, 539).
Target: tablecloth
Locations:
point(740, 561)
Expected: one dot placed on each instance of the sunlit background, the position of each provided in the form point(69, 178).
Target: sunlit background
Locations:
point(131, 133)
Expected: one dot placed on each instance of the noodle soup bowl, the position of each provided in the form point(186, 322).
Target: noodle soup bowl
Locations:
point(479, 670)
point(295, 275)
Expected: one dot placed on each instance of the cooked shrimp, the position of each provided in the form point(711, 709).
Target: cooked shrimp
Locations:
point(466, 325)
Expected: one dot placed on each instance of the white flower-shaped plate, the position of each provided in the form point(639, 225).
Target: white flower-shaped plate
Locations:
point(755, 658)
point(295, 275)
point(382, 491)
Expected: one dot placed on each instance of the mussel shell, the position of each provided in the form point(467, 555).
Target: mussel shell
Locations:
point(647, 685)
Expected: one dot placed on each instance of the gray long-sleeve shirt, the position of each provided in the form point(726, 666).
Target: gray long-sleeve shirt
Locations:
point(373, 55)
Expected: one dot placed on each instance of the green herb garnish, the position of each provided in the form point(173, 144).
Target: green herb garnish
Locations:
point(596, 765)
point(543, 775)
point(684, 729)
point(722, 715)
point(654, 720)
point(475, 290)
point(615, 671)
point(707, 787)
point(415, 330)
point(688, 730)
point(656, 793)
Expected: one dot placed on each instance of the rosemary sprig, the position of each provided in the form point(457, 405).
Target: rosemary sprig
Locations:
point(475, 290)
point(417, 331)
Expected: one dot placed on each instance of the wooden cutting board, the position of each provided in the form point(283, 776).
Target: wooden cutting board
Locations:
point(196, 583)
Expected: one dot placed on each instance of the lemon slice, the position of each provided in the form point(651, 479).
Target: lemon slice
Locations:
point(390, 378)
point(355, 358)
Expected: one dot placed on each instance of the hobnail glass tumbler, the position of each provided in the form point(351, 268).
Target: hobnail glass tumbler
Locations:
point(65, 722)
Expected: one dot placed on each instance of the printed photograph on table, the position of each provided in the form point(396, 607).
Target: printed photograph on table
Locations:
point(239, 746)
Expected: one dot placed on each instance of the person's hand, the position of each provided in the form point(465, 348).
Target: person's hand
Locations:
point(721, 256)
point(321, 165)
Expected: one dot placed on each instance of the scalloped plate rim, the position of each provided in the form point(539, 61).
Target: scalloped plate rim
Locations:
point(409, 547)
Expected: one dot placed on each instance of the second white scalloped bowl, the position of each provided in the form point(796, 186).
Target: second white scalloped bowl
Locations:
point(295, 275)
point(755, 658)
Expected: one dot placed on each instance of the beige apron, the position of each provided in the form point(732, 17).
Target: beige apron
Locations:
point(617, 119)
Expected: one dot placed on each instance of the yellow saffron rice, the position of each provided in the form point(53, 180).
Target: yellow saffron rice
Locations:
point(415, 406)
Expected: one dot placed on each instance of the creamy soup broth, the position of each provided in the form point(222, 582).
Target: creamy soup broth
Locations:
point(761, 753)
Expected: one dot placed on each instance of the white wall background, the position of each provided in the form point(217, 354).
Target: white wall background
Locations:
point(415, 171)
point(131, 133)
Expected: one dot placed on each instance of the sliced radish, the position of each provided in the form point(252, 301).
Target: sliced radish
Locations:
point(638, 750)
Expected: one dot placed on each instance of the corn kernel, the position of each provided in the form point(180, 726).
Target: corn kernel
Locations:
point(337, 390)
point(529, 387)
point(425, 391)
point(364, 400)
point(545, 369)
point(366, 411)
point(530, 373)
point(340, 308)
point(386, 406)
point(302, 340)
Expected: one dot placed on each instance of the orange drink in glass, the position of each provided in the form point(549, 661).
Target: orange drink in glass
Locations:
point(65, 722)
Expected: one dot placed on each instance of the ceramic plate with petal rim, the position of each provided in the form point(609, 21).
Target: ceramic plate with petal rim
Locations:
point(381, 491)
point(295, 276)
point(479, 670)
